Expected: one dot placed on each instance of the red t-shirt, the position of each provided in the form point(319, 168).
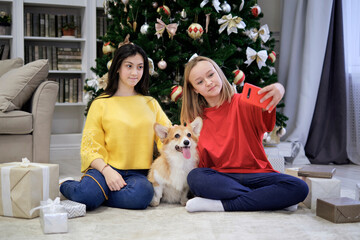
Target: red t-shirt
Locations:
point(231, 138)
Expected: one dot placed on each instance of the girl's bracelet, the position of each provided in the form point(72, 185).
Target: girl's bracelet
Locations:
point(107, 165)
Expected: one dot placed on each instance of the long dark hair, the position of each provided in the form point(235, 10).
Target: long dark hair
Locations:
point(122, 53)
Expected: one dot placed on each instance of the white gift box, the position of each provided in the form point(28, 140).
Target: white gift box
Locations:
point(357, 192)
point(74, 209)
point(321, 188)
point(53, 216)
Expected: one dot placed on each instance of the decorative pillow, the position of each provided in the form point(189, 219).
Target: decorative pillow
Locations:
point(9, 64)
point(18, 85)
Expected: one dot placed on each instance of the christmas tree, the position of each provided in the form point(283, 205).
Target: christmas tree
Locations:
point(172, 31)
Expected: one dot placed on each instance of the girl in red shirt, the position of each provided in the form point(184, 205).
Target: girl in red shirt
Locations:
point(234, 173)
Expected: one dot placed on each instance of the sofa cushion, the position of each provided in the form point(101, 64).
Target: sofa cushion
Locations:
point(9, 64)
point(18, 85)
point(16, 122)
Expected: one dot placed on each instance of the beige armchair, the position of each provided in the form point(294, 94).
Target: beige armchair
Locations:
point(25, 130)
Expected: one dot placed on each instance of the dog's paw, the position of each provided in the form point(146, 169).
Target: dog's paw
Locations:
point(183, 201)
point(154, 203)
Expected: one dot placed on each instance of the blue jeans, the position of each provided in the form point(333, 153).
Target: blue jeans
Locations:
point(137, 194)
point(248, 191)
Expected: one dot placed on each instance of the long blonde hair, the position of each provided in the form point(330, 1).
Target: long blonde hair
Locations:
point(193, 104)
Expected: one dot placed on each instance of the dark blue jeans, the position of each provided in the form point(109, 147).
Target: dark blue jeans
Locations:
point(248, 191)
point(137, 194)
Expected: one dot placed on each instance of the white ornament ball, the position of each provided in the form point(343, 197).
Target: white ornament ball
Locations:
point(225, 7)
point(281, 132)
point(195, 31)
point(265, 136)
point(144, 28)
point(155, 4)
point(162, 64)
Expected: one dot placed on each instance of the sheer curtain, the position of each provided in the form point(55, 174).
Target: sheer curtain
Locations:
point(304, 34)
point(351, 9)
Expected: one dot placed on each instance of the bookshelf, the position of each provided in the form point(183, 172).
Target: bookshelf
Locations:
point(68, 120)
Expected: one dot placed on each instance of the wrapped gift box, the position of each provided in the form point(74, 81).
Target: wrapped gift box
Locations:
point(321, 188)
point(74, 209)
point(357, 192)
point(338, 210)
point(293, 172)
point(24, 185)
point(53, 217)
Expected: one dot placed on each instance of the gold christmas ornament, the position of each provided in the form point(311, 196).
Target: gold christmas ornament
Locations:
point(108, 65)
point(108, 48)
point(195, 31)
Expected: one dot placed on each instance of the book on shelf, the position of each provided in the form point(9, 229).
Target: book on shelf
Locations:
point(49, 25)
point(65, 59)
point(4, 51)
point(70, 90)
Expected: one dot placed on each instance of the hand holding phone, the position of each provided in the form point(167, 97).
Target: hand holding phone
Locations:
point(251, 96)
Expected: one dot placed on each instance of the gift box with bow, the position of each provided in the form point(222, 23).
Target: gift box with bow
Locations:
point(24, 184)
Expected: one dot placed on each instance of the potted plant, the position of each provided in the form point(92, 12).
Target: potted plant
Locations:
point(5, 22)
point(68, 29)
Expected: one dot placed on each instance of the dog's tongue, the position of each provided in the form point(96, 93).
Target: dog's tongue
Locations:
point(186, 153)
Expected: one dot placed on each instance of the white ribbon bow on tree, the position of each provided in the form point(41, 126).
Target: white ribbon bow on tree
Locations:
point(263, 32)
point(231, 23)
point(260, 57)
point(161, 26)
point(215, 3)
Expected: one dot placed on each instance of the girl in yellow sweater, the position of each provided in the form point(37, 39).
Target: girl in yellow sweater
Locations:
point(118, 138)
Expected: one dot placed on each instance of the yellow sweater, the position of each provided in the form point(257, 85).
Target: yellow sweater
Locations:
point(120, 130)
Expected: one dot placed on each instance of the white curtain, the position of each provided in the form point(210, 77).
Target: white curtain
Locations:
point(351, 9)
point(304, 34)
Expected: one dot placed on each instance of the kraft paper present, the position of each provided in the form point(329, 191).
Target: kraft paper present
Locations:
point(321, 188)
point(293, 172)
point(23, 185)
point(338, 210)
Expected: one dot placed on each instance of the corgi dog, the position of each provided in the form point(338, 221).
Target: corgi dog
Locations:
point(178, 156)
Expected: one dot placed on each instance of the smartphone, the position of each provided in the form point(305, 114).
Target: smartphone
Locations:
point(251, 96)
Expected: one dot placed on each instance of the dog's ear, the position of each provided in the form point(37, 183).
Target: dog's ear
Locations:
point(196, 125)
point(161, 131)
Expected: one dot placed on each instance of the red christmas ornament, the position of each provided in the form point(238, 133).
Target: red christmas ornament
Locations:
point(165, 8)
point(256, 10)
point(176, 92)
point(239, 77)
point(272, 56)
